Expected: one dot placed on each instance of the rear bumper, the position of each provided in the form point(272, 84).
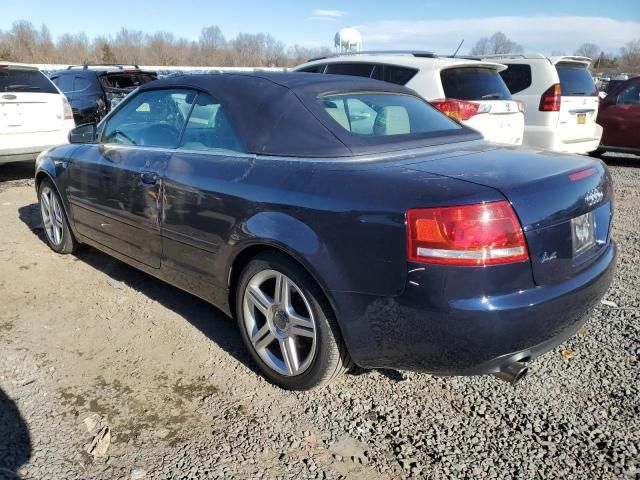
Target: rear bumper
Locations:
point(27, 146)
point(467, 334)
point(549, 138)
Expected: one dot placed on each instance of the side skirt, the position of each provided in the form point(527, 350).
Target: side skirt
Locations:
point(218, 296)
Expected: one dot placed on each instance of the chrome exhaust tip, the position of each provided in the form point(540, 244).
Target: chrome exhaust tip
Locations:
point(513, 373)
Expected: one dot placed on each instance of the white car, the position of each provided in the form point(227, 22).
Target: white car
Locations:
point(561, 100)
point(34, 114)
point(470, 91)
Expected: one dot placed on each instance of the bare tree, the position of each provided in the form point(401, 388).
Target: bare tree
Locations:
point(24, 43)
point(495, 44)
point(211, 44)
point(590, 50)
point(630, 56)
point(73, 49)
point(298, 54)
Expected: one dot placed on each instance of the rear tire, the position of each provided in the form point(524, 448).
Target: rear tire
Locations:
point(287, 325)
point(54, 219)
point(596, 153)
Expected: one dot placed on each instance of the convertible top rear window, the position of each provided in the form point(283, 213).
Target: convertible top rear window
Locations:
point(384, 114)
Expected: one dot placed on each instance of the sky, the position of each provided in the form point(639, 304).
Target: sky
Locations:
point(540, 26)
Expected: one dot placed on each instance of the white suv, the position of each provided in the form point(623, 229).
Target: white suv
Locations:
point(470, 91)
point(34, 114)
point(561, 100)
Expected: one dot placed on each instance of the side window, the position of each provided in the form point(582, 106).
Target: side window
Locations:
point(65, 83)
point(209, 128)
point(81, 83)
point(361, 116)
point(153, 118)
point(394, 74)
point(354, 69)
point(629, 96)
point(313, 69)
point(517, 77)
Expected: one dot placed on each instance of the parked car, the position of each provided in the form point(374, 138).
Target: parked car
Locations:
point(399, 239)
point(561, 100)
point(34, 114)
point(619, 117)
point(469, 91)
point(94, 90)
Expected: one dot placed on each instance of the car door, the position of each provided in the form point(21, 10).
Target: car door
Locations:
point(115, 185)
point(620, 117)
point(200, 200)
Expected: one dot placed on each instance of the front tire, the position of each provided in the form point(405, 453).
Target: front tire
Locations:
point(287, 325)
point(54, 219)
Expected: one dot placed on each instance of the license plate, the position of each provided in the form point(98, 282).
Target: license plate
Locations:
point(12, 114)
point(582, 118)
point(583, 232)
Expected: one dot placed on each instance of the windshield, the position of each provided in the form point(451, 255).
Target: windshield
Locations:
point(473, 83)
point(575, 80)
point(385, 114)
point(19, 80)
point(127, 80)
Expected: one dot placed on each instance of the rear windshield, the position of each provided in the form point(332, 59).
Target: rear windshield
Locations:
point(17, 80)
point(384, 114)
point(472, 83)
point(575, 80)
point(127, 80)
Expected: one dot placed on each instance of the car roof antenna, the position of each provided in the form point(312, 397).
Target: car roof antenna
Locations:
point(457, 49)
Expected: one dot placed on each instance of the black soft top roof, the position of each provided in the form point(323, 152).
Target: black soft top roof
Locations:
point(279, 113)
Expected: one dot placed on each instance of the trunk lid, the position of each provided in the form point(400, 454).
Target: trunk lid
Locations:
point(29, 102)
point(25, 112)
point(547, 191)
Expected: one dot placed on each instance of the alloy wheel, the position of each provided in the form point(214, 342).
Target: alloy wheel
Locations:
point(279, 322)
point(51, 216)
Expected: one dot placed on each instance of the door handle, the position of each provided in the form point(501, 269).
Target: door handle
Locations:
point(149, 178)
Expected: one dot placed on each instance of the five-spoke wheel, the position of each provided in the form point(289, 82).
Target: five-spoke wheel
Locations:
point(54, 219)
point(287, 324)
point(280, 322)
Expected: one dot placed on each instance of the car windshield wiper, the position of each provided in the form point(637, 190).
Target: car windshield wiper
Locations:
point(491, 96)
point(9, 88)
point(577, 93)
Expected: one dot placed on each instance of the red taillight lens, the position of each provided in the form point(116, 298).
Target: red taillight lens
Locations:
point(575, 176)
point(550, 100)
point(66, 109)
point(479, 234)
point(459, 109)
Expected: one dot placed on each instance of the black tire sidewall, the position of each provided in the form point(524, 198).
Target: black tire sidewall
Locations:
point(326, 333)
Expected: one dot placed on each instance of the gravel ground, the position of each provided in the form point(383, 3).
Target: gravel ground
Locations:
point(107, 373)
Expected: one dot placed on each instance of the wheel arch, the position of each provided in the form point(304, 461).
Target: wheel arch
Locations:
point(244, 255)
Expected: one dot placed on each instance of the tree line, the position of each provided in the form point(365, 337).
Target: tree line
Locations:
point(27, 44)
point(626, 60)
point(23, 42)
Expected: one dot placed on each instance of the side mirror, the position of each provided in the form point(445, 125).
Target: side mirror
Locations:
point(85, 133)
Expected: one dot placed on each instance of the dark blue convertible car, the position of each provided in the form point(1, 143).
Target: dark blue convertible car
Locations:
point(339, 220)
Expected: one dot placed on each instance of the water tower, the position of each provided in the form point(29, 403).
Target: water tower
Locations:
point(348, 40)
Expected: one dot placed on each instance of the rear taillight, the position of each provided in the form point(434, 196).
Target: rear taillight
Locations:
point(460, 109)
point(586, 173)
point(66, 109)
point(550, 100)
point(478, 234)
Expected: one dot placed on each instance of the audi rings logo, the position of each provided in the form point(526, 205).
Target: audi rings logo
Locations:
point(594, 196)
